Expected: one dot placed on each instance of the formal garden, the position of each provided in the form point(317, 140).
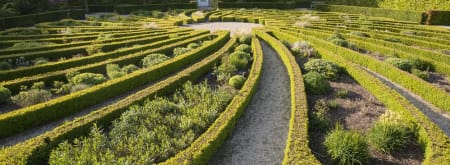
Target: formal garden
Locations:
point(224, 82)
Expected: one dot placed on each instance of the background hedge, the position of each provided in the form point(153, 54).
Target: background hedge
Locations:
point(30, 20)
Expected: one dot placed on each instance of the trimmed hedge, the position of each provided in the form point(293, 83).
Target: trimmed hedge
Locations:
point(413, 16)
point(36, 150)
point(430, 93)
point(266, 5)
point(29, 117)
point(30, 20)
point(297, 149)
point(96, 63)
point(205, 146)
point(435, 142)
point(127, 9)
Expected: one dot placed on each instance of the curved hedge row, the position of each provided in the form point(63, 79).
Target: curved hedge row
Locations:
point(435, 142)
point(297, 145)
point(124, 56)
point(19, 120)
point(204, 147)
point(36, 150)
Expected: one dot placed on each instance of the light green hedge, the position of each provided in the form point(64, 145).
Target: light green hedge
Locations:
point(297, 149)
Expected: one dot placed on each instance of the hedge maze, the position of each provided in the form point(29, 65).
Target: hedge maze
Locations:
point(87, 82)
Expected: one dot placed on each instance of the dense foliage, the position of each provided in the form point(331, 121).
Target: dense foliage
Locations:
point(237, 81)
point(315, 83)
point(347, 147)
point(151, 132)
point(419, 5)
point(326, 68)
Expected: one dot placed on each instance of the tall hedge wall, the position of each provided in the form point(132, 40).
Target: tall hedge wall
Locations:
point(30, 20)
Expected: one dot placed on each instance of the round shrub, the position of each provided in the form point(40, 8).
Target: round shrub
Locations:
point(347, 147)
point(5, 95)
point(421, 74)
point(389, 136)
point(89, 78)
point(79, 87)
point(130, 68)
point(245, 39)
point(193, 45)
point(31, 97)
point(423, 65)
point(339, 42)
point(244, 48)
point(5, 65)
point(315, 83)
point(400, 63)
point(326, 68)
point(237, 81)
point(361, 34)
point(239, 59)
point(154, 59)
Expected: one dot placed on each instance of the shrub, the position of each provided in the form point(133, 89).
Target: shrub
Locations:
point(395, 40)
point(153, 59)
point(89, 79)
point(421, 74)
point(303, 49)
point(347, 147)
point(113, 71)
point(5, 95)
point(5, 65)
point(31, 97)
point(341, 93)
point(338, 39)
point(320, 117)
point(244, 48)
point(423, 65)
point(333, 104)
point(239, 60)
point(237, 81)
point(224, 72)
point(180, 50)
point(79, 87)
point(71, 74)
point(388, 136)
point(193, 46)
point(400, 63)
point(245, 39)
point(129, 68)
point(38, 85)
point(315, 83)
point(326, 68)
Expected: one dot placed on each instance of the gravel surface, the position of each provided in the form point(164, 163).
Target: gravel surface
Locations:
point(231, 26)
point(260, 134)
point(441, 119)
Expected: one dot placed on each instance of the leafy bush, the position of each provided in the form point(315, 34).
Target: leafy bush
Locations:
point(38, 85)
point(113, 71)
point(338, 39)
point(237, 81)
point(193, 46)
point(303, 49)
point(400, 63)
point(5, 65)
point(31, 97)
point(326, 68)
point(423, 65)
point(347, 147)
point(129, 68)
point(180, 50)
point(320, 117)
point(391, 39)
point(315, 83)
point(389, 137)
point(225, 71)
point(71, 74)
point(239, 59)
point(60, 87)
point(154, 59)
point(5, 95)
point(88, 78)
point(421, 74)
point(245, 39)
point(244, 48)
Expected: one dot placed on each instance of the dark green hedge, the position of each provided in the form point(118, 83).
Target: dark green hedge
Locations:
point(127, 9)
point(413, 16)
point(266, 5)
point(30, 20)
point(438, 17)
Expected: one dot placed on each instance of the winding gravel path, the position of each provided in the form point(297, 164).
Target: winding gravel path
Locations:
point(260, 134)
point(441, 119)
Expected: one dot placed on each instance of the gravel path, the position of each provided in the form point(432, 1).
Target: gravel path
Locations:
point(441, 119)
point(231, 26)
point(261, 132)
